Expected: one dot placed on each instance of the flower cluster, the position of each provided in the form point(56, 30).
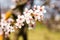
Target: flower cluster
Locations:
point(38, 12)
point(6, 26)
point(29, 15)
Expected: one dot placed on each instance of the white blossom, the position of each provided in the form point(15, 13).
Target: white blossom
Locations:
point(38, 14)
point(42, 9)
point(34, 7)
point(1, 31)
point(20, 21)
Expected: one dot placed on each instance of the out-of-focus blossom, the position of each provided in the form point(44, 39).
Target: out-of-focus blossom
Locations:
point(57, 17)
point(34, 7)
point(12, 6)
point(2, 15)
point(13, 0)
point(42, 9)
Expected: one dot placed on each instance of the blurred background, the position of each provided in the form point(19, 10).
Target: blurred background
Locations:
point(49, 28)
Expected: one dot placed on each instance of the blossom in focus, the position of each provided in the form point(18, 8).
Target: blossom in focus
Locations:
point(20, 21)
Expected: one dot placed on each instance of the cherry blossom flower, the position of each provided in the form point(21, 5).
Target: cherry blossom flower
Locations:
point(34, 7)
point(38, 14)
point(20, 21)
point(42, 9)
point(6, 26)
